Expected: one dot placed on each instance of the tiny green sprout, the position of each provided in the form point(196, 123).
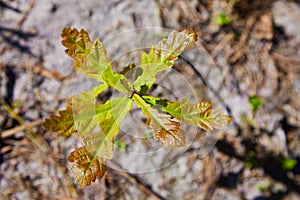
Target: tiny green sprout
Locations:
point(288, 163)
point(17, 104)
point(97, 124)
point(249, 164)
point(223, 19)
point(251, 161)
point(255, 103)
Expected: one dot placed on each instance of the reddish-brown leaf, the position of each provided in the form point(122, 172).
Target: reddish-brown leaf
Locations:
point(86, 167)
point(62, 123)
point(169, 134)
point(164, 128)
point(78, 43)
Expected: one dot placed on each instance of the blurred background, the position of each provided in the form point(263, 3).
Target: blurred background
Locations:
point(248, 65)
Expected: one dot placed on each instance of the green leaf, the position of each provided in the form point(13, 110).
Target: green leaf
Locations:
point(84, 114)
point(87, 114)
point(131, 71)
point(255, 103)
point(97, 124)
point(96, 61)
point(163, 55)
point(164, 128)
point(99, 145)
point(117, 81)
point(200, 114)
point(106, 120)
point(223, 19)
point(91, 59)
point(111, 114)
point(80, 105)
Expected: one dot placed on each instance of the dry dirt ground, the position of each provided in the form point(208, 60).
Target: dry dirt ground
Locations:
point(256, 54)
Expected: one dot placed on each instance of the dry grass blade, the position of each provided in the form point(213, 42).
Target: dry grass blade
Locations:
point(38, 141)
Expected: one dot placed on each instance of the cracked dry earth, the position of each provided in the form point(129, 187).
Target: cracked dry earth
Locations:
point(256, 54)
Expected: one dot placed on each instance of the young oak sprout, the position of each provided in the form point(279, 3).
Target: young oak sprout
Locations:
point(98, 124)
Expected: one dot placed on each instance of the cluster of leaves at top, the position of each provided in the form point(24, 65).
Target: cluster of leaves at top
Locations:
point(97, 124)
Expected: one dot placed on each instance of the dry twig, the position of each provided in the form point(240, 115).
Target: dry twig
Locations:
point(10, 132)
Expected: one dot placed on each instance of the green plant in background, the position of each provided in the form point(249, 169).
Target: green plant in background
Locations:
point(98, 124)
point(222, 19)
point(288, 163)
point(255, 103)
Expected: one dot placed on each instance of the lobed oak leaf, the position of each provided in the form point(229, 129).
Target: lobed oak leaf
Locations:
point(91, 59)
point(218, 119)
point(163, 55)
point(86, 168)
point(62, 123)
point(168, 131)
point(78, 44)
point(200, 114)
point(164, 128)
point(168, 50)
point(111, 114)
point(78, 116)
point(84, 113)
point(98, 129)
